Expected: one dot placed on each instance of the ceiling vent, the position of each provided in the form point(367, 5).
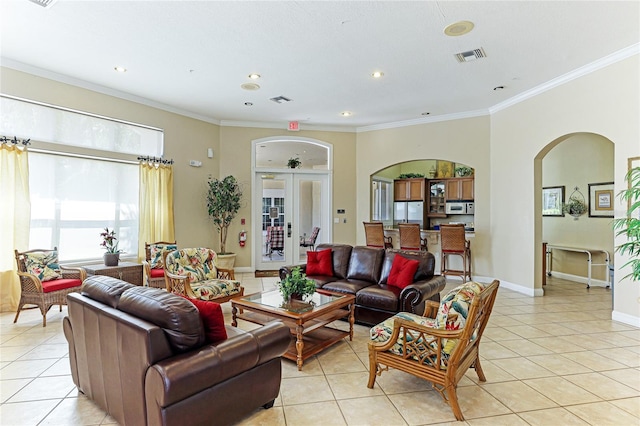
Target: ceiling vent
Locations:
point(471, 55)
point(44, 3)
point(280, 99)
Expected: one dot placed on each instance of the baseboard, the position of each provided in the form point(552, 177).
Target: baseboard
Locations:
point(534, 292)
point(244, 269)
point(579, 279)
point(625, 318)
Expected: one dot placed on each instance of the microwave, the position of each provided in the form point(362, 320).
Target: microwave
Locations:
point(459, 207)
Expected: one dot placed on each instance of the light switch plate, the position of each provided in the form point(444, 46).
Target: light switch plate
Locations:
point(336, 220)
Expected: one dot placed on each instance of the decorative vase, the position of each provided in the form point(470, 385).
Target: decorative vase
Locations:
point(111, 259)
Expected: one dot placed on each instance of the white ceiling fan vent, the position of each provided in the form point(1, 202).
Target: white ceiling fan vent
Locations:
point(44, 3)
point(471, 55)
point(280, 99)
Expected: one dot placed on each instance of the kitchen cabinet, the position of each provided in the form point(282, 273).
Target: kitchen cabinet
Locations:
point(408, 189)
point(436, 190)
point(460, 189)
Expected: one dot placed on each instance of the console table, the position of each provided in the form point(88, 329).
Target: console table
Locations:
point(589, 252)
point(125, 271)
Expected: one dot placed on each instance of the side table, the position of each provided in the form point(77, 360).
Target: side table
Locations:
point(125, 271)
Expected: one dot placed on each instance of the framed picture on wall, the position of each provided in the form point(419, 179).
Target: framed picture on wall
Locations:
point(601, 199)
point(444, 169)
point(552, 200)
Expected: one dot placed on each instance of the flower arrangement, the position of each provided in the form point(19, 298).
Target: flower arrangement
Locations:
point(109, 241)
point(463, 171)
point(296, 284)
point(575, 207)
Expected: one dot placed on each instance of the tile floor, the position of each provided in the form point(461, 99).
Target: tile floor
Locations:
point(552, 360)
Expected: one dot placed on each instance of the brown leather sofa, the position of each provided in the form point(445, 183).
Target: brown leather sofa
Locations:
point(363, 271)
point(139, 353)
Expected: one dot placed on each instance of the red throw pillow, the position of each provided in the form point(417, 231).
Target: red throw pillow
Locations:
point(319, 262)
point(212, 320)
point(402, 271)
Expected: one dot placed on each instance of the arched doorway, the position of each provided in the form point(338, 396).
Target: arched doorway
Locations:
point(293, 201)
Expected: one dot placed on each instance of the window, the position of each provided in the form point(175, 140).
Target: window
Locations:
point(381, 200)
point(77, 187)
point(268, 204)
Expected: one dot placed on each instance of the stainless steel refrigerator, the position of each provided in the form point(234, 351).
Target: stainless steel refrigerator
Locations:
point(409, 212)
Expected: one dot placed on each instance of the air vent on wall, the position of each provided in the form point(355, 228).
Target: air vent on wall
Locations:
point(280, 99)
point(471, 55)
point(44, 3)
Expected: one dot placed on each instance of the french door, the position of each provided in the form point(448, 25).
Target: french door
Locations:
point(292, 205)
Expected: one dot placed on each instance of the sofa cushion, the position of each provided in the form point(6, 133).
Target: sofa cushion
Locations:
point(402, 271)
point(379, 297)
point(319, 263)
point(457, 301)
point(340, 253)
point(61, 284)
point(365, 264)
point(197, 263)
point(178, 317)
point(212, 320)
point(156, 251)
point(346, 286)
point(104, 289)
point(213, 289)
point(426, 266)
point(43, 265)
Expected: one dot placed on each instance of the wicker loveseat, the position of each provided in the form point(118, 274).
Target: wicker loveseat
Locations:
point(192, 272)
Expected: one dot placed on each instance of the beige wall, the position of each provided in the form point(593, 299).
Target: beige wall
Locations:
point(462, 141)
point(579, 160)
point(605, 103)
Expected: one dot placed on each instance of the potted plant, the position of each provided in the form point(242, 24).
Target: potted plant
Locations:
point(296, 285)
point(294, 163)
point(223, 204)
point(109, 242)
point(462, 171)
point(630, 226)
point(575, 207)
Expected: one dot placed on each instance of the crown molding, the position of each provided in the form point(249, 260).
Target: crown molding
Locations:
point(571, 75)
point(425, 120)
point(283, 126)
point(39, 72)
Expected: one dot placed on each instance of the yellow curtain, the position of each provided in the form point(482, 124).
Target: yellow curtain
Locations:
point(15, 216)
point(156, 205)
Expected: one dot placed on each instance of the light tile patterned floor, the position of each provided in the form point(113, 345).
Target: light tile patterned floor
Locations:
point(557, 359)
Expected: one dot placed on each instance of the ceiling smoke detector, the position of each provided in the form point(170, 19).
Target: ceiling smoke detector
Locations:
point(280, 99)
point(471, 55)
point(44, 3)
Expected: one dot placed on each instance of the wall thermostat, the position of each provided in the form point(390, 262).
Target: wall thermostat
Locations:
point(195, 163)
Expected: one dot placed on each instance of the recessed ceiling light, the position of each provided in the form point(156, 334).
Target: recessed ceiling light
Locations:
point(459, 28)
point(120, 69)
point(425, 113)
point(248, 103)
point(377, 74)
point(346, 113)
point(250, 86)
point(498, 88)
point(254, 76)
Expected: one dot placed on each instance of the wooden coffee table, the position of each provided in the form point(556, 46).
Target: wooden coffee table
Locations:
point(307, 319)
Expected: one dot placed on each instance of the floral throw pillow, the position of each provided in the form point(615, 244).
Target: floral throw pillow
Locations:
point(43, 265)
point(156, 251)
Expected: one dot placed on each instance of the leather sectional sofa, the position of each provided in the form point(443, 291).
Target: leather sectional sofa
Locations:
point(139, 354)
point(363, 271)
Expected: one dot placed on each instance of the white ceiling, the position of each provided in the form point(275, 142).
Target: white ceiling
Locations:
point(192, 56)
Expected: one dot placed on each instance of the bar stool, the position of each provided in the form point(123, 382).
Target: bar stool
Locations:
point(374, 234)
point(453, 242)
point(410, 237)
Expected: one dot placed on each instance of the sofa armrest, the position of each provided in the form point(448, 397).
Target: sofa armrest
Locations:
point(286, 270)
point(414, 295)
point(177, 378)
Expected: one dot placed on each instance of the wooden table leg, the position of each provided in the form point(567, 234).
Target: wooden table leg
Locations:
point(234, 312)
point(351, 321)
point(299, 345)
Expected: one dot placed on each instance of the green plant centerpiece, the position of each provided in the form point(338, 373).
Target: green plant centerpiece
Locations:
point(294, 163)
point(296, 285)
point(411, 175)
point(630, 226)
point(463, 171)
point(223, 203)
point(575, 207)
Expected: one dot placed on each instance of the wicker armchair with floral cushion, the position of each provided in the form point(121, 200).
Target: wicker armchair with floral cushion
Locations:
point(43, 282)
point(191, 272)
point(439, 346)
point(154, 262)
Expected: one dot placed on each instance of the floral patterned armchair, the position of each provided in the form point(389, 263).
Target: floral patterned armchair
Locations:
point(153, 265)
point(192, 272)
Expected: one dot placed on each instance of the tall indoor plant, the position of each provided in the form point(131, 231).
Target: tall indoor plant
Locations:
point(223, 203)
point(630, 226)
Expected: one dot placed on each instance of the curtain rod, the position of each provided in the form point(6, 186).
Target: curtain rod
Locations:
point(155, 160)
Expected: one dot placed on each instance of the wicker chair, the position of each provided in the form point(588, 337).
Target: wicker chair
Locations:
point(374, 234)
point(191, 272)
point(437, 352)
point(453, 242)
point(410, 237)
point(154, 262)
point(44, 293)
